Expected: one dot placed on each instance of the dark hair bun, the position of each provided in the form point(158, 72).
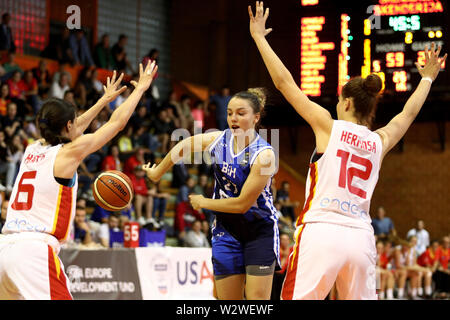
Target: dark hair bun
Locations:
point(260, 93)
point(372, 84)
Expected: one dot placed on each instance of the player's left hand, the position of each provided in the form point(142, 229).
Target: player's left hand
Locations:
point(111, 91)
point(196, 200)
point(258, 21)
point(433, 62)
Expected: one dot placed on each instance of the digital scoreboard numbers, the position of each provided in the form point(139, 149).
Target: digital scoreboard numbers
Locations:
point(395, 37)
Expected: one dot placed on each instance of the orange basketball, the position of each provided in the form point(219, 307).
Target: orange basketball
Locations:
point(113, 190)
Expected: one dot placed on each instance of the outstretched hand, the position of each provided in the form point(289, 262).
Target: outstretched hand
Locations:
point(432, 62)
point(111, 92)
point(151, 172)
point(145, 76)
point(258, 21)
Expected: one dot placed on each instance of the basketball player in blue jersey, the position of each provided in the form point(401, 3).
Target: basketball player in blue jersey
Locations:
point(245, 241)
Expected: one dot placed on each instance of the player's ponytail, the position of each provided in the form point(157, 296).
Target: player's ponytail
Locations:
point(53, 118)
point(365, 93)
point(257, 98)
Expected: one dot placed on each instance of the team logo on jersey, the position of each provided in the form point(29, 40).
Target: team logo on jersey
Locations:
point(245, 160)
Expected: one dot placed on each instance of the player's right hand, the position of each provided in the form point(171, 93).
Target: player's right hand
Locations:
point(145, 76)
point(151, 172)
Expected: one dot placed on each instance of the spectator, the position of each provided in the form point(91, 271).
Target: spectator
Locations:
point(120, 56)
point(185, 215)
point(31, 91)
point(273, 188)
point(62, 70)
point(4, 98)
point(137, 159)
point(180, 174)
point(69, 96)
point(159, 204)
point(284, 223)
point(17, 92)
point(387, 279)
point(429, 258)
point(149, 58)
point(4, 211)
point(109, 233)
point(42, 75)
point(62, 49)
point(402, 260)
point(164, 127)
point(442, 274)
point(198, 114)
point(383, 226)
point(186, 189)
point(185, 104)
point(30, 130)
point(11, 123)
point(6, 165)
point(15, 154)
point(84, 88)
point(103, 56)
point(142, 196)
point(58, 88)
point(278, 277)
point(125, 144)
point(287, 206)
point(10, 65)
point(6, 35)
point(221, 102)
point(422, 235)
point(80, 48)
point(81, 227)
point(206, 229)
point(112, 160)
point(177, 111)
point(195, 238)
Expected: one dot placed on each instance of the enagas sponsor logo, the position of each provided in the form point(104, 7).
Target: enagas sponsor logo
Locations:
point(160, 267)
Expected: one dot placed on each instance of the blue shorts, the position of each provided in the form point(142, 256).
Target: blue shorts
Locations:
point(230, 256)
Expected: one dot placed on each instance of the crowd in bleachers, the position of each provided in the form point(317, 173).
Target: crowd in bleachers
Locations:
point(410, 266)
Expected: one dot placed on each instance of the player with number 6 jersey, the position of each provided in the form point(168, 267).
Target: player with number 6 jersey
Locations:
point(334, 240)
point(42, 205)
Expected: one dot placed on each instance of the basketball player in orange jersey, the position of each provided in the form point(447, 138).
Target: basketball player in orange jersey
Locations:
point(334, 239)
point(42, 203)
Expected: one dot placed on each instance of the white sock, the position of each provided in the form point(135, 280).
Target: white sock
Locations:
point(401, 292)
point(420, 291)
point(390, 294)
point(381, 295)
point(414, 292)
point(428, 290)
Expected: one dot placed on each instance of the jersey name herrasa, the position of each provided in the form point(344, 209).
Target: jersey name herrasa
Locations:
point(38, 203)
point(340, 184)
point(231, 171)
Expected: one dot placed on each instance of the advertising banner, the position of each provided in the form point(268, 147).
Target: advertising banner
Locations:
point(102, 274)
point(172, 273)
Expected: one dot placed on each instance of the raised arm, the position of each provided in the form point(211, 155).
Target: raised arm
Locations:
point(397, 127)
point(111, 93)
point(199, 142)
point(73, 153)
point(317, 117)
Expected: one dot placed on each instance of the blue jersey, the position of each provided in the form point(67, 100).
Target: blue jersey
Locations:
point(230, 173)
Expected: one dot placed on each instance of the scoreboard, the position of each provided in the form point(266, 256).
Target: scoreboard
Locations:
point(339, 40)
